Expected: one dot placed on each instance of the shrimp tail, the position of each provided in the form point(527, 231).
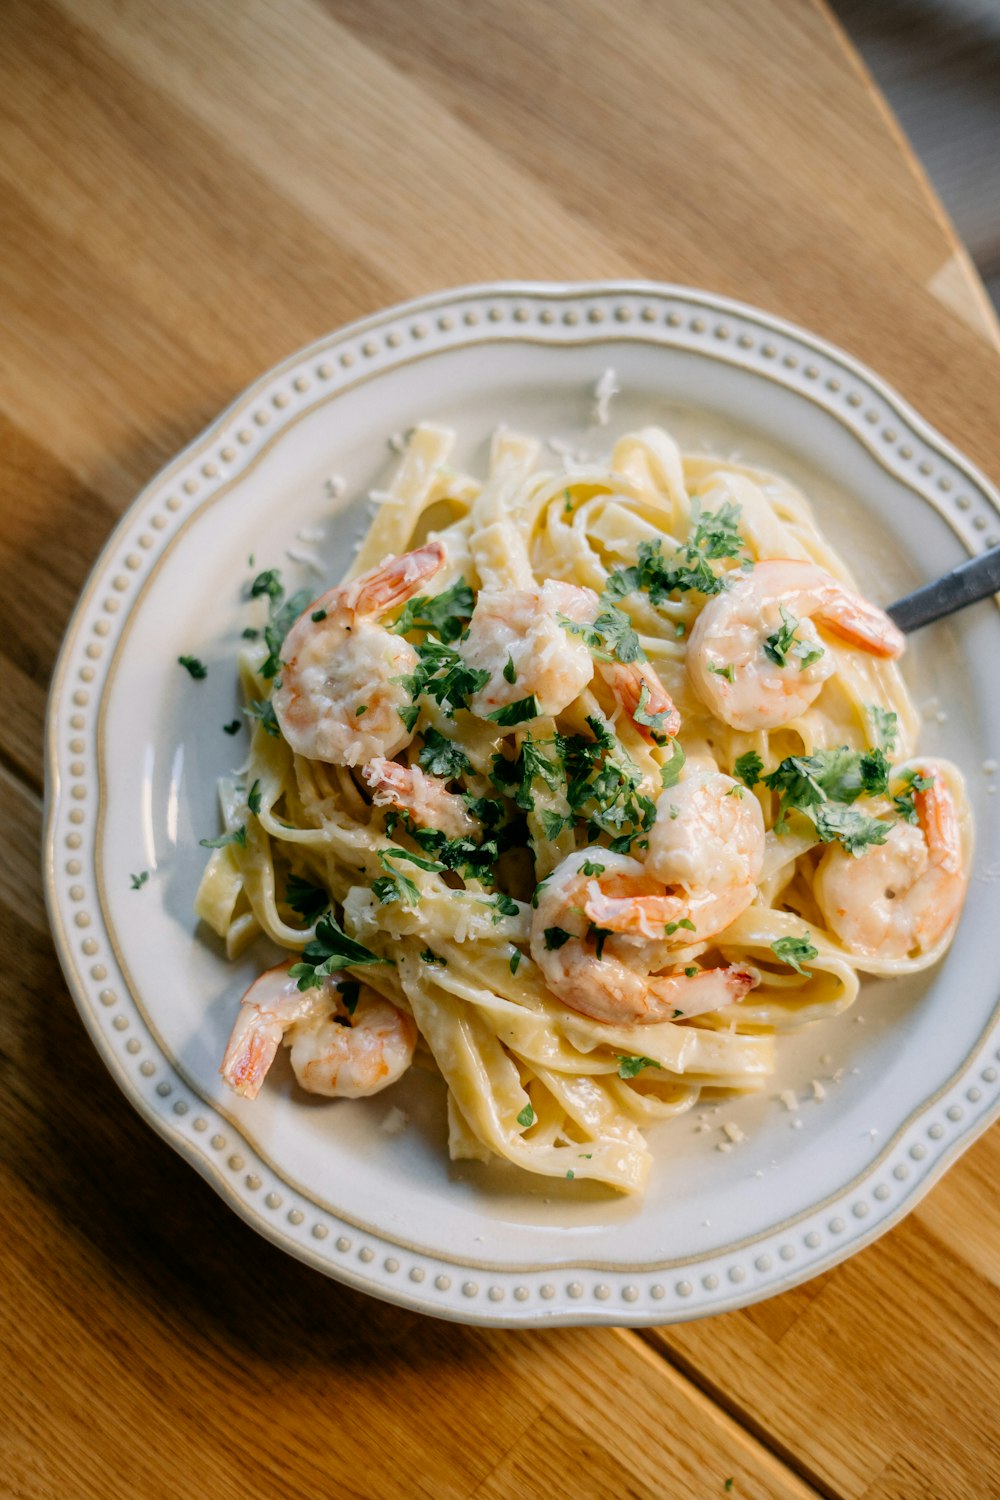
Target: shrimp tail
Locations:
point(251, 1051)
point(638, 916)
point(397, 579)
point(680, 996)
point(638, 690)
point(862, 624)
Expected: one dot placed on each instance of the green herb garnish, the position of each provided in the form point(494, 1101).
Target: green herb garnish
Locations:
point(191, 664)
point(628, 1067)
point(330, 950)
point(235, 836)
point(795, 952)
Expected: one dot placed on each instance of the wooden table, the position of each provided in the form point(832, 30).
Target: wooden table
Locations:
point(191, 191)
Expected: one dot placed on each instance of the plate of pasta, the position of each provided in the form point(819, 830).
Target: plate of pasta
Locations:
point(495, 831)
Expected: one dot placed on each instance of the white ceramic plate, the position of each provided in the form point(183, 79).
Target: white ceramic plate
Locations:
point(909, 1077)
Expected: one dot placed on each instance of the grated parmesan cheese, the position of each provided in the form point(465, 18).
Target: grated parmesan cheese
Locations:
point(395, 1121)
point(606, 387)
point(819, 1092)
point(788, 1099)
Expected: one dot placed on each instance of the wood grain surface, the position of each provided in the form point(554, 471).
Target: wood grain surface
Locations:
point(190, 191)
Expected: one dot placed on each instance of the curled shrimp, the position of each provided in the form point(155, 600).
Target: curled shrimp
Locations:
point(737, 644)
point(706, 851)
point(516, 637)
point(333, 1052)
point(426, 798)
point(900, 899)
point(616, 987)
point(520, 637)
point(339, 696)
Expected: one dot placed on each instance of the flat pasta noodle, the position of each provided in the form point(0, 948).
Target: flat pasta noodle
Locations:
point(532, 1074)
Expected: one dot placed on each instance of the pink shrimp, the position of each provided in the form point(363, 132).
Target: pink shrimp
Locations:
point(341, 1053)
point(901, 898)
point(340, 691)
point(755, 658)
point(426, 798)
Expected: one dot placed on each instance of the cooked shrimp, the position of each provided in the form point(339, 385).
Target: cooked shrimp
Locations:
point(900, 898)
point(518, 636)
point(339, 696)
point(426, 798)
point(616, 987)
point(515, 635)
point(706, 850)
point(728, 662)
point(333, 1052)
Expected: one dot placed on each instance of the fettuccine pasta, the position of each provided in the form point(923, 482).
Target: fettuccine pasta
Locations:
point(584, 786)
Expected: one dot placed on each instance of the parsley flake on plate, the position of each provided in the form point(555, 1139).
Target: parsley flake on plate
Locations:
point(192, 665)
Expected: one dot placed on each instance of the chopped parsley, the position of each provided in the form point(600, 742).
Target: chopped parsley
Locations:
point(748, 768)
point(570, 1175)
point(824, 784)
point(442, 675)
point(515, 960)
point(317, 616)
point(394, 885)
point(598, 779)
point(726, 671)
point(197, 669)
point(609, 636)
point(684, 922)
point(716, 535)
point(784, 643)
point(430, 957)
point(854, 830)
point(504, 906)
point(234, 836)
point(527, 1116)
point(555, 937)
point(330, 950)
point(903, 801)
point(656, 723)
point(446, 614)
point(515, 713)
point(553, 823)
point(441, 756)
point(361, 709)
point(268, 584)
point(308, 900)
point(629, 1067)
point(263, 712)
point(233, 727)
point(349, 991)
point(590, 868)
point(249, 633)
point(885, 727)
point(138, 881)
point(692, 971)
point(795, 952)
point(670, 773)
point(253, 799)
point(510, 671)
point(282, 614)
